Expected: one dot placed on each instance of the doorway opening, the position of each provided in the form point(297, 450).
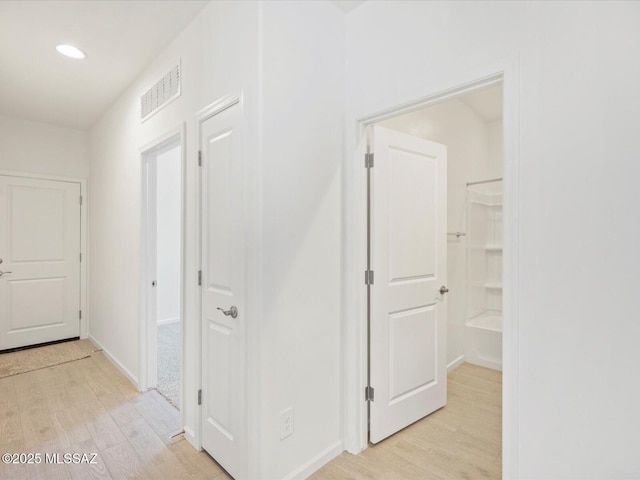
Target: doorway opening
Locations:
point(162, 269)
point(465, 297)
point(471, 128)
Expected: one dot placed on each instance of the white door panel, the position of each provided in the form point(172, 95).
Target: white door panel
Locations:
point(40, 247)
point(223, 339)
point(408, 256)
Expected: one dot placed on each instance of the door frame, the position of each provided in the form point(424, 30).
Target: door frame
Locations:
point(84, 264)
point(355, 345)
point(148, 327)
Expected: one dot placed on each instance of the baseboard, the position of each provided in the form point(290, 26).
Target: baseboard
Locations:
point(455, 363)
point(167, 321)
point(486, 363)
point(190, 436)
point(124, 370)
point(316, 462)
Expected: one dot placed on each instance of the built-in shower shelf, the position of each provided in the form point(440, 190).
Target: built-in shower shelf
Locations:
point(493, 248)
point(487, 321)
point(493, 285)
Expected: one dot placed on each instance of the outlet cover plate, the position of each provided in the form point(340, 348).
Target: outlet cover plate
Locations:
point(286, 423)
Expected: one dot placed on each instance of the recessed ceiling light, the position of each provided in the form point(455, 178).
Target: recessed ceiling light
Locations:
point(71, 51)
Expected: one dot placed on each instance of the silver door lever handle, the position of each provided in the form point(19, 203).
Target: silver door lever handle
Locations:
point(232, 312)
point(4, 273)
point(443, 290)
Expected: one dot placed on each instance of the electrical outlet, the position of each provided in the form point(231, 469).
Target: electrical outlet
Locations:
point(286, 423)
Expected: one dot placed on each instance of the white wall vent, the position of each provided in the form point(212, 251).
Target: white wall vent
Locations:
point(158, 96)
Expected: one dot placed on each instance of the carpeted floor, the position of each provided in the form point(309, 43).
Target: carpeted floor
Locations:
point(31, 359)
point(169, 341)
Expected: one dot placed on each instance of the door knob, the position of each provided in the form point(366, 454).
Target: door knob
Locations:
point(232, 312)
point(443, 290)
point(4, 273)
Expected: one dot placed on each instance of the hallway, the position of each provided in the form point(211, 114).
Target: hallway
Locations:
point(88, 406)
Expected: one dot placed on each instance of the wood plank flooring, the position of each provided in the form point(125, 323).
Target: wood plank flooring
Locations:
point(88, 406)
point(462, 441)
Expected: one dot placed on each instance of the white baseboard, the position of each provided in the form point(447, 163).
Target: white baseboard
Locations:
point(167, 321)
point(486, 363)
point(190, 436)
point(455, 363)
point(324, 457)
point(124, 370)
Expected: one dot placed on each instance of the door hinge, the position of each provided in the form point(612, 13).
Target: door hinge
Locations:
point(200, 397)
point(368, 277)
point(199, 277)
point(80, 199)
point(199, 158)
point(368, 394)
point(368, 160)
point(80, 314)
point(81, 258)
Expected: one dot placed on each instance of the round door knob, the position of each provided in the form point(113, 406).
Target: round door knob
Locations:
point(443, 290)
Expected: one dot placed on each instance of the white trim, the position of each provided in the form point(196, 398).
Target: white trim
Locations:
point(455, 363)
point(190, 436)
point(168, 321)
point(148, 329)
point(354, 251)
point(215, 108)
point(313, 465)
point(41, 176)
point(124, 370)
point(510, 275)
point(84, 265)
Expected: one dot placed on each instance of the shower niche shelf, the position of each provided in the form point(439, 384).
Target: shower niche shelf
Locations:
point(487, 321)
point(483, 332)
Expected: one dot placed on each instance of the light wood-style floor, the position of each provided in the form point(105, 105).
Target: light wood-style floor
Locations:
point(88, 406)
point(462, 441)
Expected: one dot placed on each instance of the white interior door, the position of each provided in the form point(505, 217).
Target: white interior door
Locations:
point(152, 271)
point(40, 252)
point(223, 339)
point(409, 259)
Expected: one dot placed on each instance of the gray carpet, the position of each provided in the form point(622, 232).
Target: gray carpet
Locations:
point(169, 341)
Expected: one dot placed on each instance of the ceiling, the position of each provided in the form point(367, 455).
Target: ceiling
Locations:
point(120, 38)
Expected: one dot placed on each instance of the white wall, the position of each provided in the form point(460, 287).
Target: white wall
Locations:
point(219, 55)
point(36, 147)
point(168, 231)
point(578, 108)
point(293, 85)
point(466, 135)
point(303, 86)
point(496, 151)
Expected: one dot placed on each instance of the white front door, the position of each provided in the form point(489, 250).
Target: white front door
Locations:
point(409, 259)
point(40, 261)
point(223, 314)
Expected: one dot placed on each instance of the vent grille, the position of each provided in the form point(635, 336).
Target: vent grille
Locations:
point(165, 90)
